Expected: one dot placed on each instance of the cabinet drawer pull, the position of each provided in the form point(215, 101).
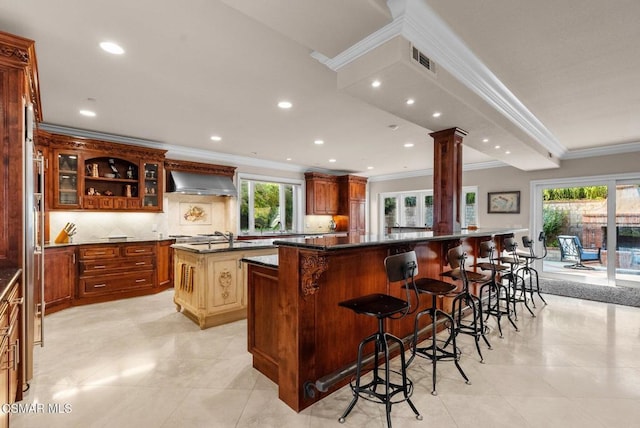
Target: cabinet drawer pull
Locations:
point(17, 301)
point(141, 280)
point(99, 285)
point(99, 267)
point(140, 251)
point(141, 263)
point(100, 253)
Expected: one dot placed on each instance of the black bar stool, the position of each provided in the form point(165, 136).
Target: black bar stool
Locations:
point(475, 326)
point(514, 277)
point(528, 269)
point(399, 267)
point(498, 293)
point(433, 352)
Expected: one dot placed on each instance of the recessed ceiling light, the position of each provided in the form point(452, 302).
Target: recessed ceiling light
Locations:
point(375, 84)
point(88, 113)
point(436, 114)
point(318, 142)
point(369, 167)
point(288, 159)
point(496, 146)
point(216, 138)
point(485, 140)
point(332, 160)
point(285, 104)
point(508, 152)
point(408, 144)
point(410, 101)
point(112, 48)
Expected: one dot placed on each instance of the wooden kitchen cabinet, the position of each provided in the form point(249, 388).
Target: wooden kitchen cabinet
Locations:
point(321, 194)
point(10, 325)
point(164, 258)
point(115, 270)
point(60, 276)
point(353, 202)
point(65, 179)
point(86, 174)
point(18, 89)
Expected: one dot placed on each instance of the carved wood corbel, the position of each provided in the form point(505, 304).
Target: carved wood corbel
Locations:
point(312, 266)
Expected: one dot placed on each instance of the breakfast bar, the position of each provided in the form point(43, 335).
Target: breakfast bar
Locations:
point(297, 333)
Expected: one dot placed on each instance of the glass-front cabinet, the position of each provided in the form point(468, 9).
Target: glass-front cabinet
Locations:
point(152, 192)
point(66, 179)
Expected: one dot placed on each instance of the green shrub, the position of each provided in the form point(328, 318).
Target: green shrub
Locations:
point(553, 223)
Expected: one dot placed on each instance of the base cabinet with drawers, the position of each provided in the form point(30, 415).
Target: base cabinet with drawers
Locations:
point(109, 269)
point(92, 273)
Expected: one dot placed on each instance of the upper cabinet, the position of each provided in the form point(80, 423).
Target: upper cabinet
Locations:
point(97, 175)
point(322, 194)
point(353, 205)
point(344, 196)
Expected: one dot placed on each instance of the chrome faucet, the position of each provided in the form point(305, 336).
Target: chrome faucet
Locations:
point(228, 236)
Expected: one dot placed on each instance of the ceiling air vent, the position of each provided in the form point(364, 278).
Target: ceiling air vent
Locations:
point(423, 60)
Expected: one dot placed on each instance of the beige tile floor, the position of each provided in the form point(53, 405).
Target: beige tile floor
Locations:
point(139, 363)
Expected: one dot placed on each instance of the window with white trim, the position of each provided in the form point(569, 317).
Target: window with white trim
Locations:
point(415, 209)
point(269, 204)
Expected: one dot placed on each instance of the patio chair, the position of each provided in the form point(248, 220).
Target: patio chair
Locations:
point(572, 249)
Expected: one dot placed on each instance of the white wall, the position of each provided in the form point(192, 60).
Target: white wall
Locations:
point(505, 179)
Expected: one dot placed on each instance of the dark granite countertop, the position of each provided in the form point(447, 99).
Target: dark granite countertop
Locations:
point(109, 241)
point(7, 277)
point(219, 247)
point(329, 243)
point(266, 261)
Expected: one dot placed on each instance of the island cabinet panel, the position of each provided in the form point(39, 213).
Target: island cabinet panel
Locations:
point(227, 291)
point(262, 325)
point(210, 287)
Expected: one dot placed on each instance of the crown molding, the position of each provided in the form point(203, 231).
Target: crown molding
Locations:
point(602, 151)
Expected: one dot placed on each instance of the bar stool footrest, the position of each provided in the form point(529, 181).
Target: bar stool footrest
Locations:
point(369, 393)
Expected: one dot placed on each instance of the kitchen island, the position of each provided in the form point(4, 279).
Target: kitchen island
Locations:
point(311, 343)
point(210, 282)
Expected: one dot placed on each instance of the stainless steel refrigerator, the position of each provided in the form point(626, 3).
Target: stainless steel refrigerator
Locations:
point(33, 256)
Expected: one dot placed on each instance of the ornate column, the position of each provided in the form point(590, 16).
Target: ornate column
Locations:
point(447, 179)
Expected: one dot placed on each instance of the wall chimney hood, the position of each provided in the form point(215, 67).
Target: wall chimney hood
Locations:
point(190, 183)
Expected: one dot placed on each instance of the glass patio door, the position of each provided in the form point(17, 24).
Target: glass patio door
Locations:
point(627, 233)
point(603, 213)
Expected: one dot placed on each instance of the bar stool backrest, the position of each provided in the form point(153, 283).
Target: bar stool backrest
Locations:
point(456, 258)
point(528, 243)
point(401, 266)
point(404, 267)
point(486, 249)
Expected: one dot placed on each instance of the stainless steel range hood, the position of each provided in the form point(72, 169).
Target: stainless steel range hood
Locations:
point(190, 183)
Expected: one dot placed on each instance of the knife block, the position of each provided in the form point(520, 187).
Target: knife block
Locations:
point(62, 238)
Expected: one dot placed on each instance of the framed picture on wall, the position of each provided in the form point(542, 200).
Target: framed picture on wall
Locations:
point(504, 202)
